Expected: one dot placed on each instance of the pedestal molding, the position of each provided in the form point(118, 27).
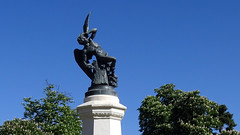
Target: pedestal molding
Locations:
point(101, 115)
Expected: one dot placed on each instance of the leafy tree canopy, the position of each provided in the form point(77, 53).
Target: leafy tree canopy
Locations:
point(53, 113)
point(21, 127)
point(175, 112)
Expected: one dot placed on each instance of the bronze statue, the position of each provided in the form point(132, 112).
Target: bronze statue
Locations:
point(102, 70)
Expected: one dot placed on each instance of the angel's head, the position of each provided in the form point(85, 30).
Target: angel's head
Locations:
point(83, 39)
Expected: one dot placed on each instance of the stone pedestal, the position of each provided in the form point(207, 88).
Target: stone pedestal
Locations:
point(101, 115)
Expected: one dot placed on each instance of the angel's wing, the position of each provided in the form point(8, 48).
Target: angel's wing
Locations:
point(85, 26)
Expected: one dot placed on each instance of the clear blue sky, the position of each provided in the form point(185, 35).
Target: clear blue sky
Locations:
point(192, 44)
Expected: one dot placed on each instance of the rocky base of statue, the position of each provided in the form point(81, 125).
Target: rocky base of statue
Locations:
point(101, 115)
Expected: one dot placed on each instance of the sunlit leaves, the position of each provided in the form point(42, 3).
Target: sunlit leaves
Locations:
point(22, 127)
point(53, 113)
point(175, 112)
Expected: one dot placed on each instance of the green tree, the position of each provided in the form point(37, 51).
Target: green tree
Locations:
point(21, 127)
point(53, 113)
point(225, 118)
point(230, 132)
point(175, 112)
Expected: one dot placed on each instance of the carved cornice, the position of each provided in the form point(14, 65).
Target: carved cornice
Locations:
point(101, 114)
point(108, 115)
point(101, 110)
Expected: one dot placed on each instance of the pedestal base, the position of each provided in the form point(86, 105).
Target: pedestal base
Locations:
point(101, 115)
point(101, 90)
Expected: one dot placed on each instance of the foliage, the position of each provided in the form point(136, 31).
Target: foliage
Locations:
point(229, 132)
point(180, 113)
point(225, 118)
point(53, 113)
point(21, 127)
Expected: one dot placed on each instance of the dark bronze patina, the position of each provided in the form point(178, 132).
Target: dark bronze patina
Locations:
point(102, 70)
